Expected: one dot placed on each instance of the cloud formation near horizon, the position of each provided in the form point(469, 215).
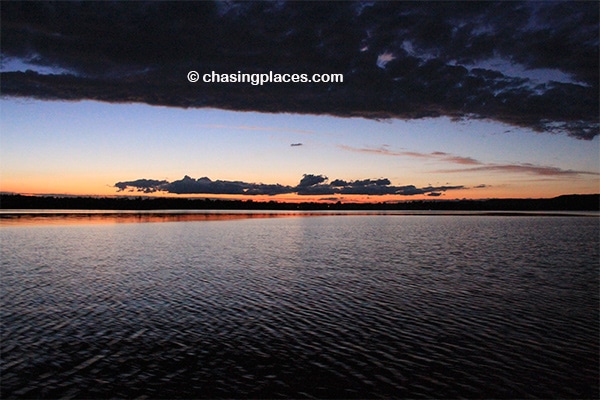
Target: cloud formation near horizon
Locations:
point(472, 165)
point(528, 64)
point(308, 185)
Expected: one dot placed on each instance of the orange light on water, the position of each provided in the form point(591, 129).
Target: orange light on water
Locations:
point(98, 217)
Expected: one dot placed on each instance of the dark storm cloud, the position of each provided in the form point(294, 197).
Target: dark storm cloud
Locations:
point(308, 185)
point(399, 59)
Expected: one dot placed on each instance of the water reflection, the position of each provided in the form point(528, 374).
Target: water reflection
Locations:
point(69, 218)
point(87, 217)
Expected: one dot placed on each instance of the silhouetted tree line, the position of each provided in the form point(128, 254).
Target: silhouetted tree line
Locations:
point(588, 202)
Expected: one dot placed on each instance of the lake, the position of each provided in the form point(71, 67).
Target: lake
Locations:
point(280, 305)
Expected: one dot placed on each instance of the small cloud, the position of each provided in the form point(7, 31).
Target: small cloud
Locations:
point(461, 160)
point(384, 58)
point(329, 199)
point(338, 183)
point(142, 185)
point(311, 180)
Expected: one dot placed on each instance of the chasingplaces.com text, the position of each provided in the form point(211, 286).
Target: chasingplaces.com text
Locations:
point(260, 79)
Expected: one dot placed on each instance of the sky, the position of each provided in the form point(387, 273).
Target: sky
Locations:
point(440, 100)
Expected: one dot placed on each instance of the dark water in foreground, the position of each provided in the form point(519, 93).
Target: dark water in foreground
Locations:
point(336, 306)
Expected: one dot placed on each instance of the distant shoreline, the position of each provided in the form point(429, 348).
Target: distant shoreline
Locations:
point(587, 202)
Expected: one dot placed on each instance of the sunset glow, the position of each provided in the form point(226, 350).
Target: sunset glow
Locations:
point(392, 131)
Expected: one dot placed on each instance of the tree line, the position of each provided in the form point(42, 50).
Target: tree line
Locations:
point(588, 202)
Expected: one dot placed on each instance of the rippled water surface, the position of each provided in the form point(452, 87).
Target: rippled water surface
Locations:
point(329, 306)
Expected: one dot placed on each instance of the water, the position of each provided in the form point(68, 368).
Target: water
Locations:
point(355, 306)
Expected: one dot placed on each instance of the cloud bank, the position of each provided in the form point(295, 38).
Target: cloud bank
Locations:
point(309, 185)
point(528, 64)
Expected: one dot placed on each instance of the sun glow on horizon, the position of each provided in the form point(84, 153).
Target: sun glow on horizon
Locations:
point(85, 148)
